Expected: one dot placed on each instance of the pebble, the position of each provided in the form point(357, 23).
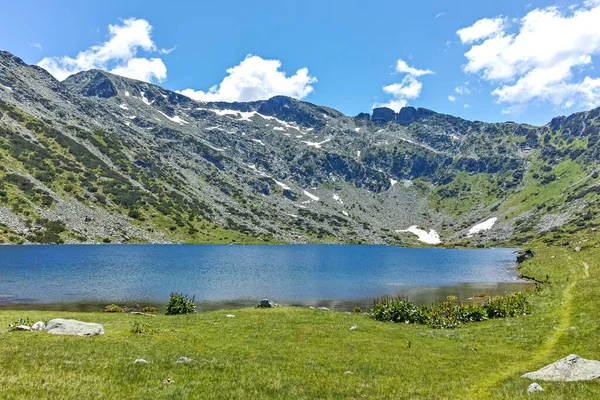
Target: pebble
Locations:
point(353, 327)
point(534, 387)
point(140, 361)
point(181, 360)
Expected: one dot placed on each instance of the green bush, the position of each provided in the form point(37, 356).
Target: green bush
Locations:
point(141, 328)
point(149, 310)
point(113, 308)
point(449, 314)
point(180, 304)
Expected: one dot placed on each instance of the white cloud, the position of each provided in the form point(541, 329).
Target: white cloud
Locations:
point(409, 88)
point(466, 106)
point(256, 79)
point(481, 29)
point(440, 15)
point(452, 99)
point(36, 45)
point(463, 89)
point(117, 54)
point(545, 58)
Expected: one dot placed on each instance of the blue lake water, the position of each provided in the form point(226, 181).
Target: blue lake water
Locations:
point(332, 275)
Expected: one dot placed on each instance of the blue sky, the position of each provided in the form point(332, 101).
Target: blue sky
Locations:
point(507, 65)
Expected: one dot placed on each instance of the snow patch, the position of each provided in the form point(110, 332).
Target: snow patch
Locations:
point(356, 130)
point(336, 197)
point(431, 237)
point(283, 185)
point(124, 106)
point(6, 87)
point(132, 117)
point(279, 128)
point(311, 196)
point(357, 153)
point(258, 141)
point(127, 93)
point(316, 144)
point(345, 213)
point(483, 226)
point(145, 100)
point(393, 182)
point(175, 119)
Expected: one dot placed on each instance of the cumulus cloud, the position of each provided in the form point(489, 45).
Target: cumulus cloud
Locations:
point(117, 55)
point(451, 98)
point(256, 79)
point(409, 88)
point(544, 58)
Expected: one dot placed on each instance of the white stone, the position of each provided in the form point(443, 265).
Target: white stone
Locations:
point(63, 326)
point(534, 387)
point(38, 326)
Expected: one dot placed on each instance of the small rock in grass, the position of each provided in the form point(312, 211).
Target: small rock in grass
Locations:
point(323, 308)
point(353, 327)
point(578, 249)
point(230, 316)
point(140, 361)
point(168, 381)
point(38, 326)
point(22, 328)
point(182, 360)
point(534, 387)
point(348, 373)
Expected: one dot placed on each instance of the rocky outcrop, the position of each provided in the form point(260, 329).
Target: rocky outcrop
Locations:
point(569, 369)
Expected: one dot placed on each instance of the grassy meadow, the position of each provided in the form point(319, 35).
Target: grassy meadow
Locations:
point(294, 353)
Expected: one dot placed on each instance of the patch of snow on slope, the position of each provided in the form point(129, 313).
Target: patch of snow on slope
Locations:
point(316, 144)
point(431, 237)
point(356, 130)
point(311, 196)
point(283, 185)
point(175, 119)
point(357, 153)
point(132, 117)
point(345, 213)
point(279, 128)
point(483, 226)
point(124, 107)
point(127, 93)
point(393, 181)
point(336, 197)
point(6, 87)
point(145, 100)
point(258, 141)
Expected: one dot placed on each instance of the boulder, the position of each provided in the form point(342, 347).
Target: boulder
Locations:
point(140, 361)
point(534, 387)
point(38, 326)
point(569, 369)
point(577, 249)
point(63, 326)
point(266, 303)
point(353, 327)
point(525, 255)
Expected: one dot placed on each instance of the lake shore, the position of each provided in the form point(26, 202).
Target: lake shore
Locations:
point(278, 353)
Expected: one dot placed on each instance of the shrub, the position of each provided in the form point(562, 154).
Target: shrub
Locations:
point(149, 310)
point(20, 321)
point(113, 308)
point(357, 310)
point(180, 304)
point(449, 313)
point(142, 328)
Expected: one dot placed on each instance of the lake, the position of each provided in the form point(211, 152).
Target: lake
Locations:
point(336, 276)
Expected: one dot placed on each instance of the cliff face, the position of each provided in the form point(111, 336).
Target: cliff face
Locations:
point(100, 157)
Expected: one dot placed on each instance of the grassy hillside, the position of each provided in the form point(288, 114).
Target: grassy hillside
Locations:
point(306, 354)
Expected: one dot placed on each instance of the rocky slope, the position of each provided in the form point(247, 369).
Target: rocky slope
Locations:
point(102, 158)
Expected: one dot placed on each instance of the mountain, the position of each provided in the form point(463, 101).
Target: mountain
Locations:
point(102, 158)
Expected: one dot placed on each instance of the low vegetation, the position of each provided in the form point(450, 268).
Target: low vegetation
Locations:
point(180, 304)
point(449, 313)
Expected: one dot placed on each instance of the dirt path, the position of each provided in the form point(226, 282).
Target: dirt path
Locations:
point(483, 388)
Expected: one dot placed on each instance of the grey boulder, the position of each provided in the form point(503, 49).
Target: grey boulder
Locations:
point(569, 369)
point(38, 326)
point(62, 326)
point(266, 303)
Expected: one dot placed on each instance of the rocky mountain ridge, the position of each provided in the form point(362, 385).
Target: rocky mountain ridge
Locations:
point(102, 158)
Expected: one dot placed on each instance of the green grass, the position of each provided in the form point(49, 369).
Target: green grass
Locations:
point(289, 352)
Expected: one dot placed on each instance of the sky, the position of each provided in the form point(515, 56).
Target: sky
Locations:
point(524, 61)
